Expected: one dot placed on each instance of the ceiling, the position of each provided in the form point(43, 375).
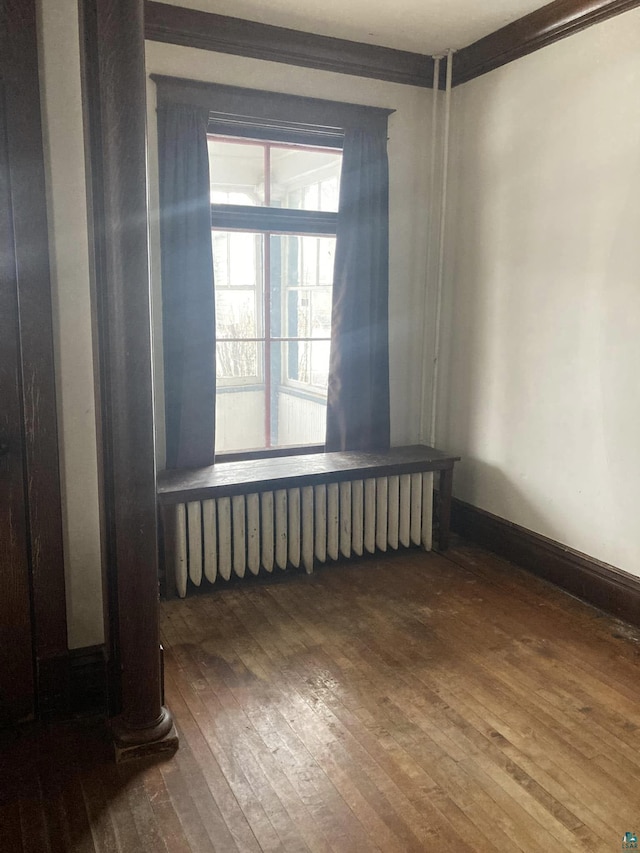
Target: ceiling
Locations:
point(422, 26)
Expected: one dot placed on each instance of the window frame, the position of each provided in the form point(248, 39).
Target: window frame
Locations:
point(271, 221)
point(252, 112)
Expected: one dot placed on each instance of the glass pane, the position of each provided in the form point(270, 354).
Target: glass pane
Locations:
point(297, 411)
point(303, 261)
point(307, 363)
point(220, 248)
point(301, 285)
point(309, 261)
point(321, 313)
point(238, 362)
point(298, 314)
point(305, 178)
point(236, 314)
point(320, 364)
point(236, 172)
point(240, 418)
point(311, 197)
point(329, 193)
point(286, 248)
point(237, 258)
point(326, 258)
point(300, 419)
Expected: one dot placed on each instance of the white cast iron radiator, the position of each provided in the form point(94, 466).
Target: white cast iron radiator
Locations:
point(231, 536)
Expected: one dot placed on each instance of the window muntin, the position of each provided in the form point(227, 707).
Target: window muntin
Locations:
point(273, 289)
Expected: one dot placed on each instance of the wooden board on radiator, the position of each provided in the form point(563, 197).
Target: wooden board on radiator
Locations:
point(288, 472)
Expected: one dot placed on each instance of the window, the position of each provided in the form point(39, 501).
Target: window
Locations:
point(273, 212)
point(269, 211)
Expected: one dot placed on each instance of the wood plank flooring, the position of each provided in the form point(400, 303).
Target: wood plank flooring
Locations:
point(408, 703)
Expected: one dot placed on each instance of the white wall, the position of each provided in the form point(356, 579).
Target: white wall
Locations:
point(408, 163)
point(66, 200)
point(541, 388)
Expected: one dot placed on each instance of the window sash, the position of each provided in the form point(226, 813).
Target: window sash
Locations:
point(276, 220)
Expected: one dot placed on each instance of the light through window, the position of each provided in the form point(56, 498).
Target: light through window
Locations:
point(273, 233)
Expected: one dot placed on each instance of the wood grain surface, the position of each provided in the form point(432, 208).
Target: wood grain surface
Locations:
point(424, 703)
point(165, 22)
point(28, 324)
point(540, 28)
point(234, 478)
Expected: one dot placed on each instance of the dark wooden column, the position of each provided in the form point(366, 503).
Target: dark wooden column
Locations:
point(115, 112)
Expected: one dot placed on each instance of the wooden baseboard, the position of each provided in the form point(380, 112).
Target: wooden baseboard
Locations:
point(73, 685)
point(604, 586)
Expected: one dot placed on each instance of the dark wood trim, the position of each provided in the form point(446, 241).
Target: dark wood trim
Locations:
point(88, 682)
point(264, 108)
point(543, 27)
point(53, 687)
point(74, 685)
point(31, 245)
point(287, 472)
point(92, 123)
point(93, 183)
point(17, 683)
point(276, 220)
point(269, 453)
point(600, 584)
point(443, 504)
point(286, 134)
point(208, 31)
point(115, 110)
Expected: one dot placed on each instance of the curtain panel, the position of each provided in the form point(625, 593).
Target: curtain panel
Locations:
point(358, 391)
point(188, 299)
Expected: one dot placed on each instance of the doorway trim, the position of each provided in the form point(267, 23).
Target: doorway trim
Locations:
point(43, 498)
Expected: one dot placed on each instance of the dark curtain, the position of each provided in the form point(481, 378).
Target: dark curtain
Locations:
point(188, 300)
point(358, 392)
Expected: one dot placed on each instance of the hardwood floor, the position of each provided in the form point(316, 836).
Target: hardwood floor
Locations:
point(414, 703)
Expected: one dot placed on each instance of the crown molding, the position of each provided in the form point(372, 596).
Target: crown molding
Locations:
point(208, 31)
point(171, 24)
point(543, 27)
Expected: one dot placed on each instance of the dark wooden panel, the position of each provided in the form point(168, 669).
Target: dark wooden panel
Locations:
point(600, 584)
point(236, 478)
point(73, 685)
point(89, 74)
point(549, 24)
point(192, 28)
point(16, 650)
point(26, 166)
point(270, 109)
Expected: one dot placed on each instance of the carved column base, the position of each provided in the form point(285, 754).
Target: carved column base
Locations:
point(130, 743)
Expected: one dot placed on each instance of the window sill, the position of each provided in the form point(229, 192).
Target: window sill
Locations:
point(269, 453)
